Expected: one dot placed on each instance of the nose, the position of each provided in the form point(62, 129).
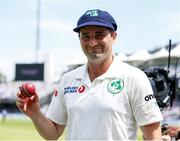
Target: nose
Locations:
point(92, 42)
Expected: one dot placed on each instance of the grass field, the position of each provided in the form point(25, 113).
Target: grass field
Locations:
point(22, 129)
point(19, 129)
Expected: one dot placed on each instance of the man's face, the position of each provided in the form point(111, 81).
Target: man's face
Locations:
point(96, 43)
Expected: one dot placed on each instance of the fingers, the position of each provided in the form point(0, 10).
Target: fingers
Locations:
point(36, 97)
point(25, 106)
point(22, 103)
point(20, 95)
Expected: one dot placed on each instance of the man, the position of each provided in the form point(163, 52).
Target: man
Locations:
point(4, 115)
point(104, 99)
point(173, 132)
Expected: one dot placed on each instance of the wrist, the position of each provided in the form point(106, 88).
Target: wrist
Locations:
point(36, 116)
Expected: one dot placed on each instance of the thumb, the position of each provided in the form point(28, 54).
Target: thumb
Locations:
point(35, 97)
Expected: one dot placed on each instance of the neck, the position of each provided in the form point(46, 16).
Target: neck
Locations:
point(96, 70)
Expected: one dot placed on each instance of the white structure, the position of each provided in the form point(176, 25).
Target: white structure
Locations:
point(140, 55)
point(162, 53)
point(121, 56)
point(175, 52)
point(138, 58)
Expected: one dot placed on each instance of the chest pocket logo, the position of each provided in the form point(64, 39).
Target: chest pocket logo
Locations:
point(115, 86)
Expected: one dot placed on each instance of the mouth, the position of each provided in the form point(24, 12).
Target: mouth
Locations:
point(95, 50)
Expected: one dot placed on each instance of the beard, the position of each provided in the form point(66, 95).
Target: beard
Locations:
point(97, 54)
point(96, 58)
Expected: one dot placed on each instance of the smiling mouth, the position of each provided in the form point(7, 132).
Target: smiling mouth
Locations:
point(95, 50)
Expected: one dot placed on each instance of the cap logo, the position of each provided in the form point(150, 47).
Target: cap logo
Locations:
point(115, 86)
point(92, 13)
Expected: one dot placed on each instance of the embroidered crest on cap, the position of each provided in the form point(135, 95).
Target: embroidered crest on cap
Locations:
point(92, 13)
point(115, 86)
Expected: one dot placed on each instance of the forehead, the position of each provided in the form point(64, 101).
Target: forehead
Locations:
point(92, 29)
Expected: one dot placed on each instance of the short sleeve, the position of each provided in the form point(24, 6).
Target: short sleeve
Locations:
point(57, 110)
point(144, 105)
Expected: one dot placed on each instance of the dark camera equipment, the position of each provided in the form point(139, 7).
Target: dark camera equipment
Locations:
point(164, 87)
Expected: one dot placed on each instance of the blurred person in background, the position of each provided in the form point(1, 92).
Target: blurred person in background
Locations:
point(171, 133)
point(174, 132)
point(4, 115)
point(104, 99)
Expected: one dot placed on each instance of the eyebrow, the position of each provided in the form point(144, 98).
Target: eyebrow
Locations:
point(97, 32)
point(85, 33)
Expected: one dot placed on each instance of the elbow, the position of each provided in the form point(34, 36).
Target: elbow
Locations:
point(48, 138)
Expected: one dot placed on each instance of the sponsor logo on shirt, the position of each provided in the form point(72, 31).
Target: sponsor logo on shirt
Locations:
point(149, 97)
point(55, 92)
point(70, 89)
point(74, 89)
point(81, 89)
point(115, 86)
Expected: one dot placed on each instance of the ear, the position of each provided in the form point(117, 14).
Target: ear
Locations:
point(114, 35)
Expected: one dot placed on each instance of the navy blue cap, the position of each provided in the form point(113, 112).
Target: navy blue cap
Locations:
point(98, 18)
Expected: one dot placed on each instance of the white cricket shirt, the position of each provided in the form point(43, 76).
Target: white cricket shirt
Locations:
point(109, 108)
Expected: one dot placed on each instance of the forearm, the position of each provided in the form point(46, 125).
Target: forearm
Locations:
point(152, 131)
point(46, 128)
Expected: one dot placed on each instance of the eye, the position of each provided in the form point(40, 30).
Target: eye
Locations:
point(100, 35)
point(85, 37)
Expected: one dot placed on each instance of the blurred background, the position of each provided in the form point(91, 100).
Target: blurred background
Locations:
point(38, 45)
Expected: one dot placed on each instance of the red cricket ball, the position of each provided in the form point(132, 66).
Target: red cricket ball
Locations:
point(27, 89)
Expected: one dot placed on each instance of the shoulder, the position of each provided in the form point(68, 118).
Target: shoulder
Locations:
point(75, 72)
point(72, 76)
point(129, 70)
point(133, 76)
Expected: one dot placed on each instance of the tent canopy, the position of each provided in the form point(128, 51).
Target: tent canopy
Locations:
point(140, 55)
point(176, 51)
